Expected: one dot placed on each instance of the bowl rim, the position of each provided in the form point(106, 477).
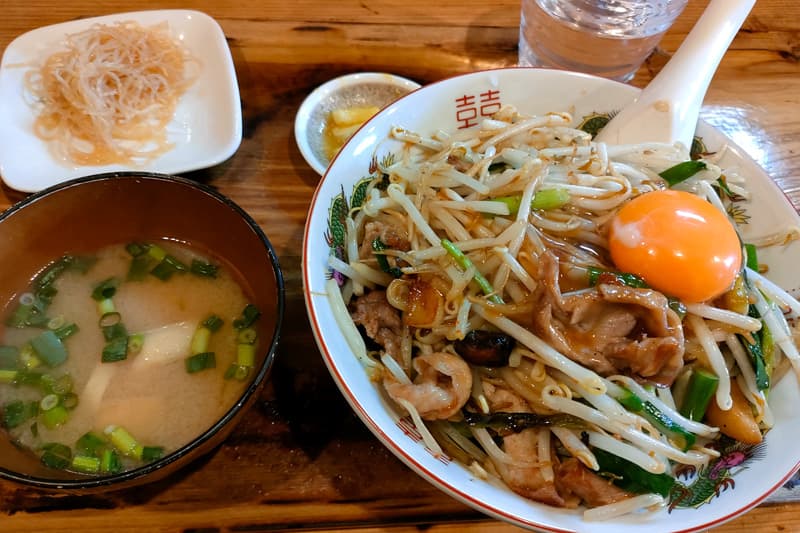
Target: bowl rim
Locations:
point(128, 477)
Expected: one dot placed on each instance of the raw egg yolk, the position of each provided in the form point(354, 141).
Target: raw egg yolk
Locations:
point(679, 243)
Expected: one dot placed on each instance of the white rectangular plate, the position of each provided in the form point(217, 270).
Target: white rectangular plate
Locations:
point(206, 128)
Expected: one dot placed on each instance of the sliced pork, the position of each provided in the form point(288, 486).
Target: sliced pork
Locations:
point(525, 478)
point(382, 323)
point(573, 477)
point(392, 235)
point(611, 328)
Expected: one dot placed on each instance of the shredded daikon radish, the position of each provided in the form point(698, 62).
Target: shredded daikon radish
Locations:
point(109, 95)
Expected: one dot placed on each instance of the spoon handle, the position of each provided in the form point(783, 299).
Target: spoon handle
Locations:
point(668, 108)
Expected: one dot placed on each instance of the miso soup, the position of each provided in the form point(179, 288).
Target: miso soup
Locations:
point(110, 361)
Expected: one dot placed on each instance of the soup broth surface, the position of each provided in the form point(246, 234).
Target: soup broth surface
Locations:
point(150, 393)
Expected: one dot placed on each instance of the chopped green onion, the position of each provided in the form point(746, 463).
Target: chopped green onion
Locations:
point(245, 355)
point(156, 252)
point(162, 271)
point(46, 383)
point(701, 388)
point(28, 358)
point(213, 323)
point(124, 441)
point(465, 263)
point(48, 402)
point(140, 267)
point(250, 314)
point(238, 372)
point(105, 306)
point(242, 371)
point(200, 268)
point(8, 376)
point(91, 443)
point(512, 203)
point(550, 199)
point(136, 249)
point(168, 266)
point(109, 461)
point(52, 418)
point(751, 253)
point(247, 336)
point(66, 331)
point(9, 357)
point(18, 412)
point(135, 343)
point(116, 331)
point(377, 248)
point(56, 455)
point(681, 172)
point(201, 357)
point(115, 350)
point(152, 453)
point(49, 348)
point(544, 199)
point(200, 340)
point(27, 377)
point(105, 289)
point(85, 464)
point(175, 263)
point(200, 361)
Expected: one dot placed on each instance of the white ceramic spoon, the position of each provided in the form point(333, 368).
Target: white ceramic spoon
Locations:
point(668, 108)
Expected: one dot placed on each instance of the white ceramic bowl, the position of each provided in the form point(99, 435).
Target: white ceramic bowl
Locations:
point(359, 89)
point(439, 106)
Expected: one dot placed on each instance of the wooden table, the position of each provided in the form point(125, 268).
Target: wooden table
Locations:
point(301, 460)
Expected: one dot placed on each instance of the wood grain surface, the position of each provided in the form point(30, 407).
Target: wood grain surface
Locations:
point(301, 460)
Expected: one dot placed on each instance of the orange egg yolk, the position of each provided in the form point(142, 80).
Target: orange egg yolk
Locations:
point(679, 243)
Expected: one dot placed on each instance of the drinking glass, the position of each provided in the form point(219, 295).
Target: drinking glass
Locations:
point(609, 38)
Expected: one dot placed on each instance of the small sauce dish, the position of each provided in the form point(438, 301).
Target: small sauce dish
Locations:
point(352, 91)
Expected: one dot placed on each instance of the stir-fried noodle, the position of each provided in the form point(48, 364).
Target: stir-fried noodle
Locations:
point(476, 268)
